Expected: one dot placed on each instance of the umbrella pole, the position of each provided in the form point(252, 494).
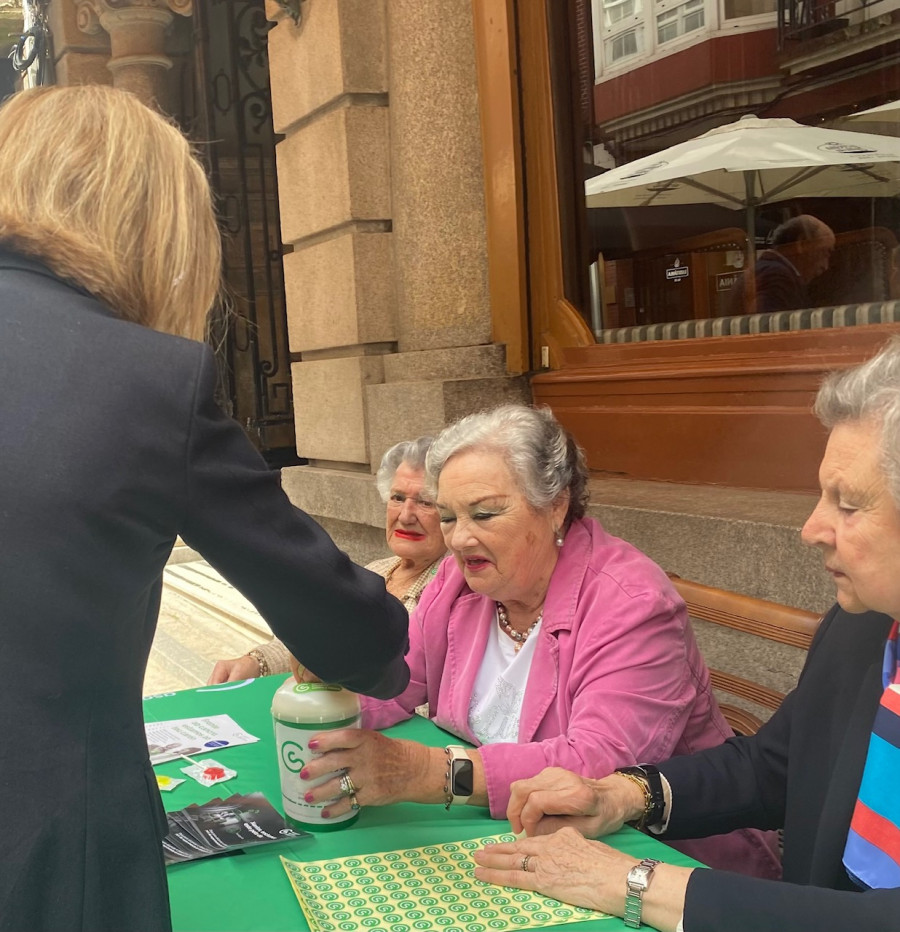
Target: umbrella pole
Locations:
point(750, 269)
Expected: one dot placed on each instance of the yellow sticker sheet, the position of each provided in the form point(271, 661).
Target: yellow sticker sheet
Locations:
point(419, 889)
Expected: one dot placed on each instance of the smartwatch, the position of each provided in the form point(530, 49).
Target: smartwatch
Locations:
point(636, 884)
point(460, 775)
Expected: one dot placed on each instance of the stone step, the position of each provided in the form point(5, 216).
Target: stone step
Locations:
point(188, 642)
point(198, 582)
point(744, 540)
point(202, 619)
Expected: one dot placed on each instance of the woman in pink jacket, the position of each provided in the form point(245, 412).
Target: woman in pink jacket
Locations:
point(543, 641)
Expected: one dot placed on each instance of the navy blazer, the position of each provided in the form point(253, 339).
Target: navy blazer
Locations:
point(802, 772)
point(112, 445)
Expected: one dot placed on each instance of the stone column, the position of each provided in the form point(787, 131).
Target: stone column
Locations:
point(447, 364)
point(137, 35)
point(381, 188)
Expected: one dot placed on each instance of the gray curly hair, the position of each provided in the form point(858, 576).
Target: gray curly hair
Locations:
point(541, 454)
point(870, 390)
point(411, 452)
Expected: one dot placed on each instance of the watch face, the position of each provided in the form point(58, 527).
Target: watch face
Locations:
point(638, 877)
point(462, 774)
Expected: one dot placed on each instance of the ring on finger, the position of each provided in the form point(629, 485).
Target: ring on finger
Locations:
point(525, 861)
point(347, 787)
point(354, 802)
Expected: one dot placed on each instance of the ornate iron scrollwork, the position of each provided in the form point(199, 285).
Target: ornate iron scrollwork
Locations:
point(292, 8)
point(235, 115)
point(32, 55)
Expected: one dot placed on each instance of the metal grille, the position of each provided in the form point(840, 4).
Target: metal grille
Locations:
point(235, 124)
point(808, 20)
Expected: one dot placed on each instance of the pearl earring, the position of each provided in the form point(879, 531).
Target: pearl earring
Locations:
point(560, 540)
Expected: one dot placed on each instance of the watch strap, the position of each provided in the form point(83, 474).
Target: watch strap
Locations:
point(636, 884)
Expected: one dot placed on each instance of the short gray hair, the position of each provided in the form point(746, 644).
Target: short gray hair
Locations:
point(799, 229)
point(869, 391)
point(411, 452)
point(541, 454)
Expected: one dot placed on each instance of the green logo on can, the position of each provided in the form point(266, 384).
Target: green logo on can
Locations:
point(291, 756)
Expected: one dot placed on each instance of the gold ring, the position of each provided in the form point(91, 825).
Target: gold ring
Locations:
point(524, 865)
point(354, 802)
point(347, 787)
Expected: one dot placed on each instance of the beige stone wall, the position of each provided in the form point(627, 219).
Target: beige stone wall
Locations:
point(437, 172)
point(80, 46)
point(382, 201)
point(139, 47)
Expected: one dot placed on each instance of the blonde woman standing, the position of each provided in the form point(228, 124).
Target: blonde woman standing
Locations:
point(113, 445)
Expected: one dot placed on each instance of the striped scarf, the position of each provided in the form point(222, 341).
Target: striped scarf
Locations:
point(872, 854)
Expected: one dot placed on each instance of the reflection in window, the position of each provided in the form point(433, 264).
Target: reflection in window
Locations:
point(679, 20)
point(625, 44)
point(735, 9)
point(668, 263)
point(614, 11)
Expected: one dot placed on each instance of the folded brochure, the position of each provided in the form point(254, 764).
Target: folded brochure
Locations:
point(185, 737)
point(240, 821)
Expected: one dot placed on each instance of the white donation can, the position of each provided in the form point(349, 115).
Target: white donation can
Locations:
point(299, 711)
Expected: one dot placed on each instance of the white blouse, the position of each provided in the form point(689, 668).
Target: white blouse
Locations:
point(496, 704)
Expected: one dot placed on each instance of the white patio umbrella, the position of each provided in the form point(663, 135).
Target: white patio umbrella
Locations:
point(888, 113)
point(752, 162)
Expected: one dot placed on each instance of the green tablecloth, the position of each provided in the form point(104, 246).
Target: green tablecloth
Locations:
point(250, 890)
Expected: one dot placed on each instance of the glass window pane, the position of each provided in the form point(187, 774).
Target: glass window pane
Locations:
point(628, 43)
point(693, 21)
point(679, 20)
point(616, 11)
point(735, 9)
point(667, 32)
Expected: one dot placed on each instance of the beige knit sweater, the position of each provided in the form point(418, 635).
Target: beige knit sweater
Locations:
point(277, 656)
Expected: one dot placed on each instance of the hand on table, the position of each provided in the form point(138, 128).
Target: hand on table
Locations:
point(572, 869)
point(238, 668)
point(382, 770)
point(564, 865)
point(556, 798)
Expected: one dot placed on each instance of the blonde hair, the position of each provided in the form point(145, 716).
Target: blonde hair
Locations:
point(108, 194)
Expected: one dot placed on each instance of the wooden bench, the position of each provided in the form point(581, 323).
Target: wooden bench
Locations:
point(754, 649)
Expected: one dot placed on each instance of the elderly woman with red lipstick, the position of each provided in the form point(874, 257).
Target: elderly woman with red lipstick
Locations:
point(543, 641)
point(412, 528)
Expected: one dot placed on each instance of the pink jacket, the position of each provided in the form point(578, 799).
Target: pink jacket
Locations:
point(617, 677)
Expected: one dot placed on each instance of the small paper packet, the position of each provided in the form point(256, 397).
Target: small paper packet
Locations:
point(167, 784)
point(209, 772)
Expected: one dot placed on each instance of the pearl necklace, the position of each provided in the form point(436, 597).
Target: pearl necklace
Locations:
point(520, 637)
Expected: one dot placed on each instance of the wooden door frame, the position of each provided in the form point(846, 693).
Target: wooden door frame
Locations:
point(530, 311)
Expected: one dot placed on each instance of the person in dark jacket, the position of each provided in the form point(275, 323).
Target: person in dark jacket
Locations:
point(801, 251)
point(112, 446)
point(824, 767)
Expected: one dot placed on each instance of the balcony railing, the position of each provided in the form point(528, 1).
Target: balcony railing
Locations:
point(805, 20)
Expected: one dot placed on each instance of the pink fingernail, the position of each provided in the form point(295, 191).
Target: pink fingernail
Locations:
point(326, 814)
point(309, 798)
point(313, 745)
point(304, 774)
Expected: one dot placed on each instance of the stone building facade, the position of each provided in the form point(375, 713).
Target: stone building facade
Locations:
point(419, 177)
point(382, 201)
point(381, 189)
